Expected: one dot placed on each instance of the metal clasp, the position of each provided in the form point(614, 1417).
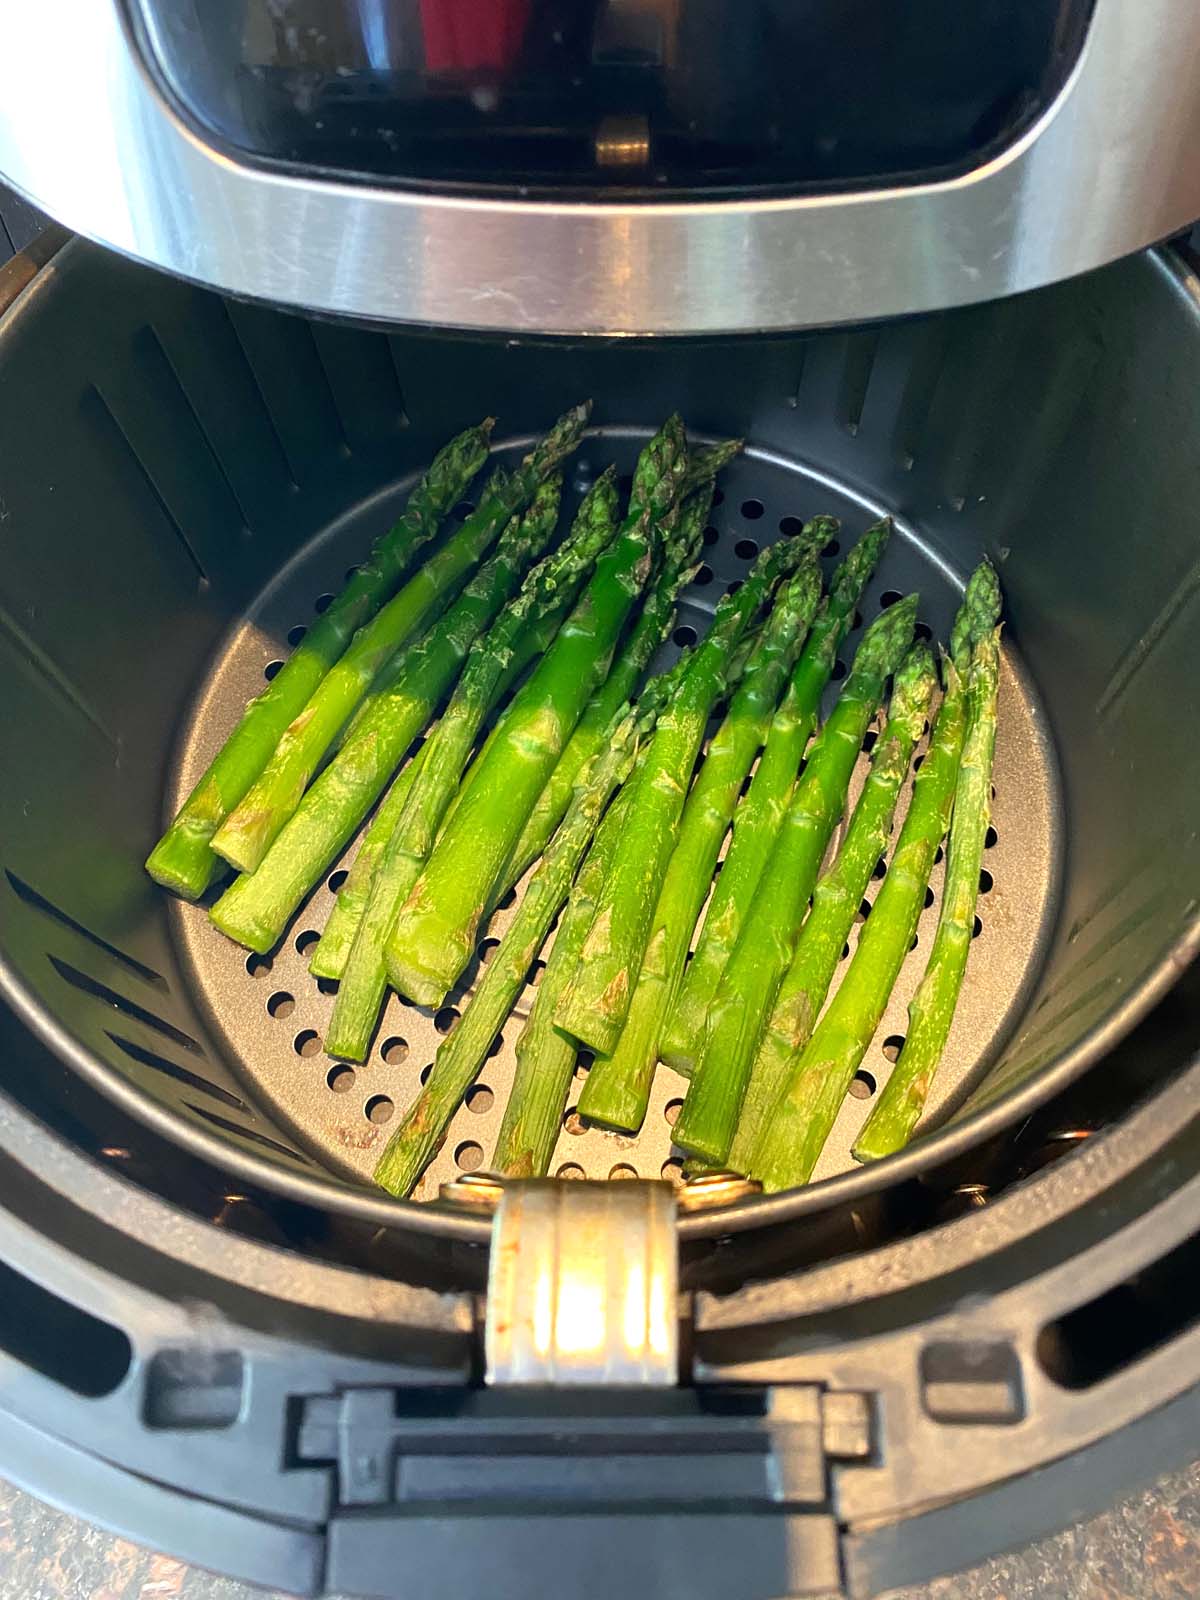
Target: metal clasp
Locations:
point(583, 1285)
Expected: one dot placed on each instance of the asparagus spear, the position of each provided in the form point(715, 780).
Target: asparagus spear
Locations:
point(364, 981)
point(682, 526)
point(749, 983)
point(618, 1087)
point(435, 931)
point(545, 1055)
point(795, 1133)
point(245, 836)
point(761, 812)
point(836, 900)
point(459, 1059)
point(651, 628)
point(255, 909)
point(931, 1012)
point(182, 859)
point(596, 1002)
point(332, 949)
point(329, 960)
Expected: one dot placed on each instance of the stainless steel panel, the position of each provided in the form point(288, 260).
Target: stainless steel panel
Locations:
point(1109, 168)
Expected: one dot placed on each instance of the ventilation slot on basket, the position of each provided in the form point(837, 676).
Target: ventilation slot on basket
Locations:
point(113, 431)
point(1126, 1323)
point(33, 659)
point(57, 1339)
point(31, 897)
point(172, 1069)
point(101, 991)
point(252, 1134)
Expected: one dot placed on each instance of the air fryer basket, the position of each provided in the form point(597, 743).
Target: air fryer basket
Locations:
point(182, 477)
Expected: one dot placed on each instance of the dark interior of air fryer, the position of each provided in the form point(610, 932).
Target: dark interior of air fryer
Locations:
point(197, 475)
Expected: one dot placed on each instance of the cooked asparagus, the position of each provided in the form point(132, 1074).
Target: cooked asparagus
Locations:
point(596, 1002)
point(436, 929)
point(255, 909)
point(836, 900)
point(546, 1057)
point(332, 949)
point(183, 859)
point(246, 834)
point(618, 1087)
point(749, 983)
point(546, 591)
point(898, 1110)
point(761, 812)
point(795, 1133)
point(460, 1058)
point(651, 628)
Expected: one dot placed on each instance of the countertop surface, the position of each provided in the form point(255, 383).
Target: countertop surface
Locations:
point(1146, 1548)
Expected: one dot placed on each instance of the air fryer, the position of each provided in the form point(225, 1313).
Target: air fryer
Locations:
point(216, 1335)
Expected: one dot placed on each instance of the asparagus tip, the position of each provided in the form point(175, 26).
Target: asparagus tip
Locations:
point(978, 614)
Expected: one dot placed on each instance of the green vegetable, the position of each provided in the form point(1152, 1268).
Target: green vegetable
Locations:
point(332, 949)
point(460, 1058)
point(836, 900)
point(757, 820)
point(545, 1056)
point(898, 1110)
point(256, 908)
point(618, 1087)
point(182, 859)
point(749, 983)
point(546, 589)
point(245, 836)
point(795, 1133)
point(596, 1002)
point(652, 626)
point(436, 929)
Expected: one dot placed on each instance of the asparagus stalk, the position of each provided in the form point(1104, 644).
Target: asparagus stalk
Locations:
point(596, 1002)
point(898, 1110)
point(255, 909)
point(836, 900)
point(758, 818)
point(331, 950)
point(682, 526)
point(364, 981)
point(545, 1055)
point(182, 859)
point(246, 835)
point(337, 937)
point(795, 1133)
point(652, 626)
point(619, 1086)
point(435, 931)
point(749, 983)
point(459, 1059)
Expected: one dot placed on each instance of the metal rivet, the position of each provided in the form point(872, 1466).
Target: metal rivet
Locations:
point(707, 1190)
point(476, 1191)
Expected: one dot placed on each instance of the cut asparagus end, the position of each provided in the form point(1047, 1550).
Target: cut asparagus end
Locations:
point(231, 919)
point(182, 865)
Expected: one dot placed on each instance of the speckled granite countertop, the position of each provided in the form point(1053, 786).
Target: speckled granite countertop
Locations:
point(1147, 1548)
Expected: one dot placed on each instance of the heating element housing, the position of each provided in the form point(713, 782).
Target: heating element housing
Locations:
point(608, 166)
